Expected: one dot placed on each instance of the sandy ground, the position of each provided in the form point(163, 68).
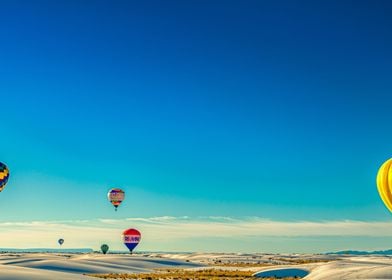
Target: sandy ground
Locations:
point(371, 267)
point(63, 267)
point(36, 266)
point(324, 267)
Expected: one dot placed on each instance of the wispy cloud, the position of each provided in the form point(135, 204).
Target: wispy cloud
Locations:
point(160, 231)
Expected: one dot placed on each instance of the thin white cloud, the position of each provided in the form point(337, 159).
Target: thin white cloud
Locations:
point(158, 231)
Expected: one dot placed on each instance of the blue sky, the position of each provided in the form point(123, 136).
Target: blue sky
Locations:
point(272, 109)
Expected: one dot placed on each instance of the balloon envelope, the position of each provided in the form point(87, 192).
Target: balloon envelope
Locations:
point(4, 175)
point(61, 241)
point(104, 248)
point(384, 183)
point(131, 237)
point(116, 196)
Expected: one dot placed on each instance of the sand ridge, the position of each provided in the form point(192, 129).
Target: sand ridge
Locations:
point(63, 267)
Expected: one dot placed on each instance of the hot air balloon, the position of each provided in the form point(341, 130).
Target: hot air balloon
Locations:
point(4, 175)
point(60, 241)
point(104, 248)
point(131, 237)
point(116, 196)
point(384, 183)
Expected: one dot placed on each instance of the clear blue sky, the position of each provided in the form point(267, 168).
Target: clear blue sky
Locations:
point(275, 109)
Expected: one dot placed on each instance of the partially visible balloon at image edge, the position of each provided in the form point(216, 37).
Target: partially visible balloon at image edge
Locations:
point(4, 175)
point(384, 183)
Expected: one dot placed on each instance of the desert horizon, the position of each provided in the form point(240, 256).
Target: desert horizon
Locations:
point(66, 266)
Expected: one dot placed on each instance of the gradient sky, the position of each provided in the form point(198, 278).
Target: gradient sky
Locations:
point(278, 110)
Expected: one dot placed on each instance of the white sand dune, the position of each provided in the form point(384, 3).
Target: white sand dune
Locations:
point(342, 268)
point(64, 267)
point(45, 266)
point(21, 273)
point(371, 267)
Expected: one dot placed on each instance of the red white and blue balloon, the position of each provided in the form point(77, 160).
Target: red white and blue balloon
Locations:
point(131, 238)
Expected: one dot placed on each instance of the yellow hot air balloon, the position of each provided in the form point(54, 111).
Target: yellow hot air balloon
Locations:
point(384, 183)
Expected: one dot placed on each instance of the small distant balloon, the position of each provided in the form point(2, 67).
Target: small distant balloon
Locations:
point(4, 175)
point(131, 238)
point(60, 241)
point(384, 183)
point(116, 196)
point(104, 248)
